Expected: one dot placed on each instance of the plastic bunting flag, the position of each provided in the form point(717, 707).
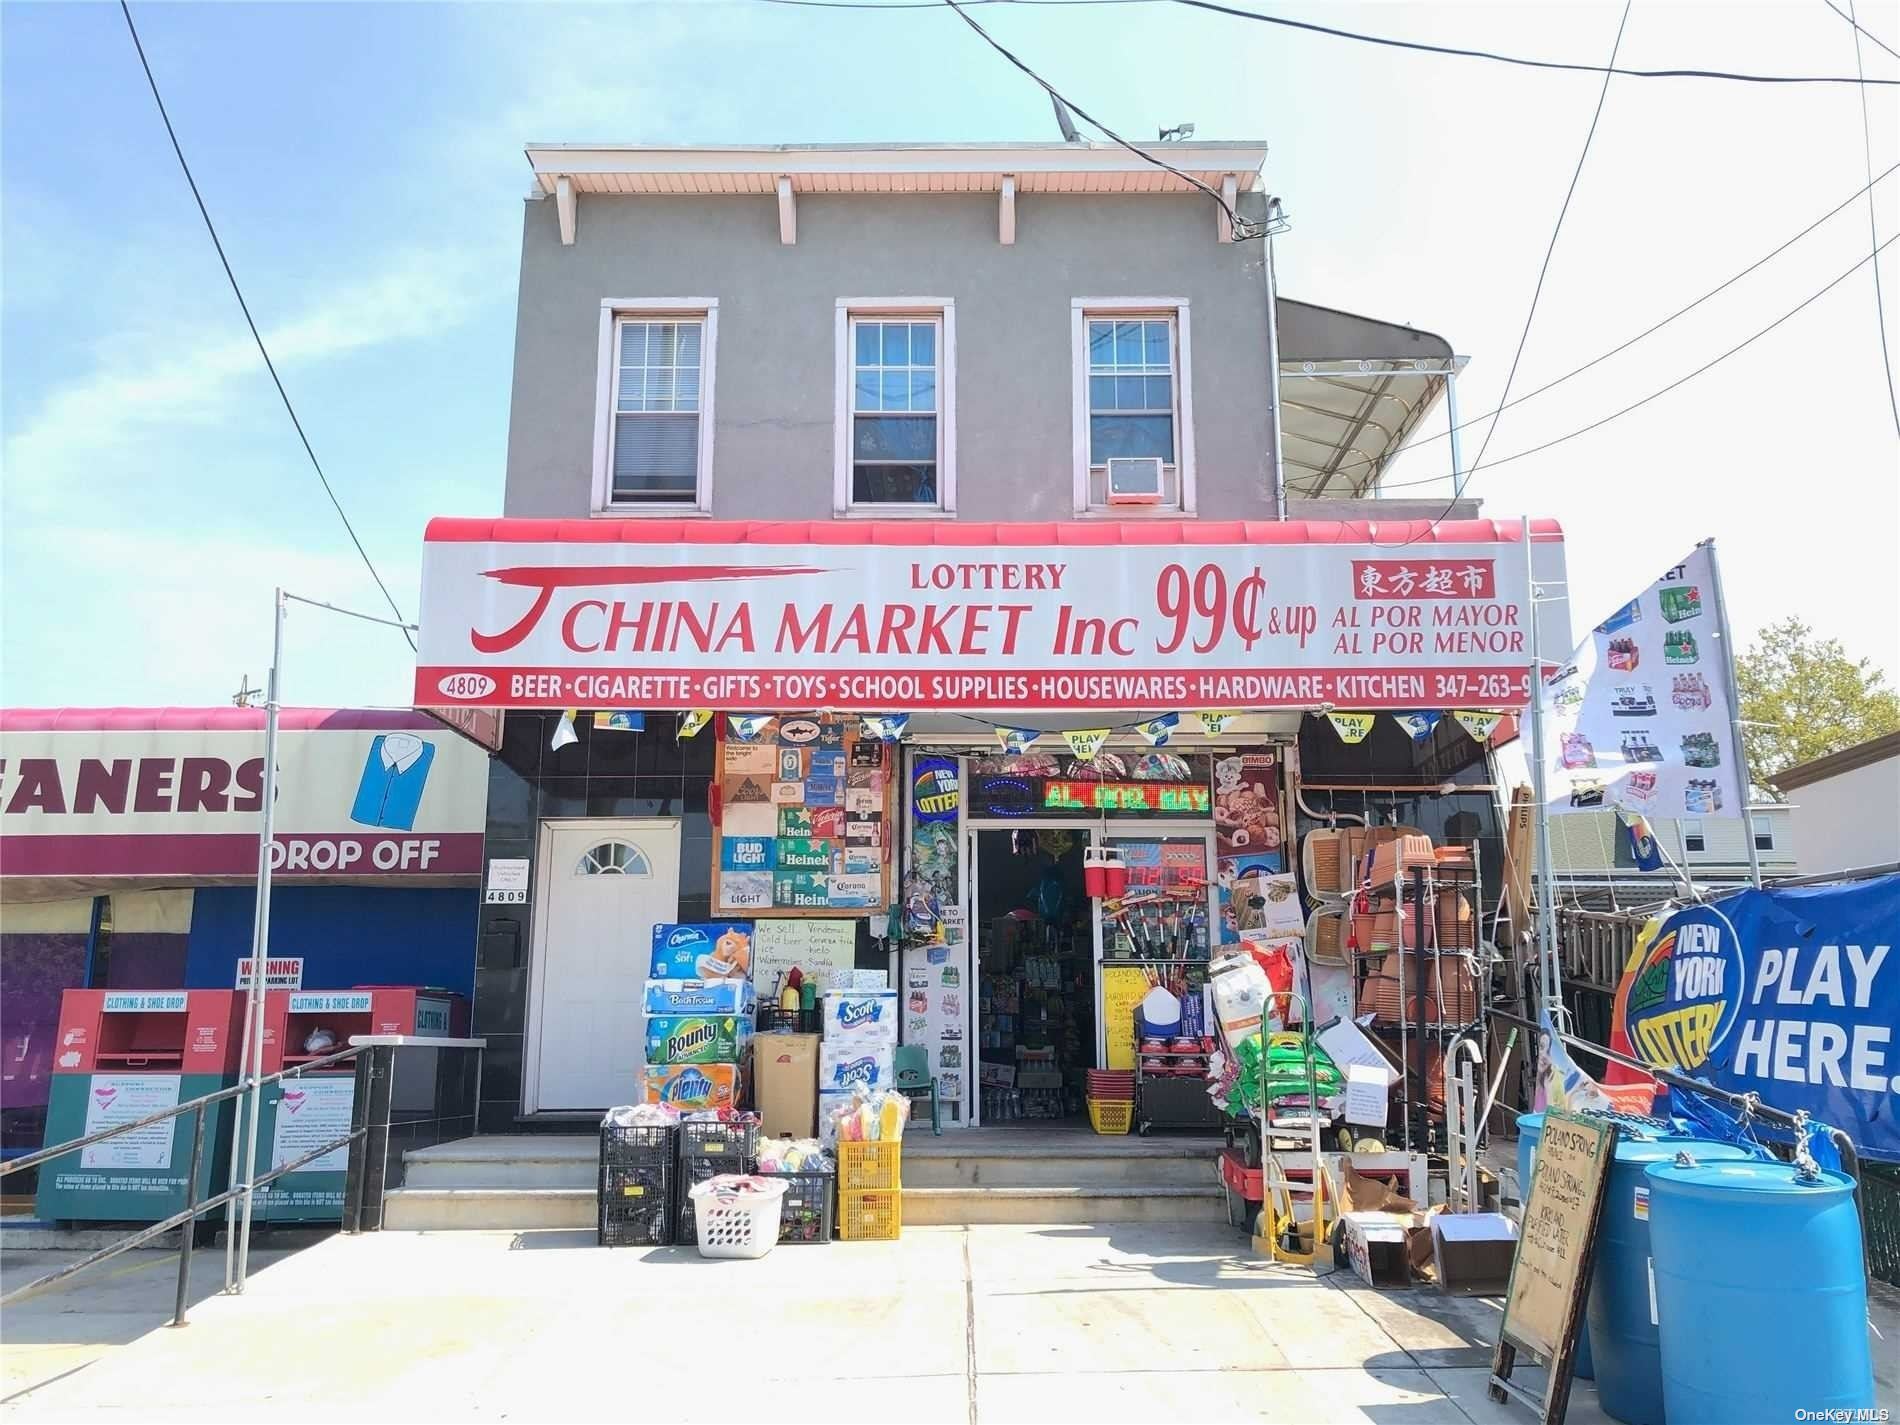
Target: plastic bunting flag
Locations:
point(1158, 730)
point(1085, 742)
point(692, 722)
point(564, 734)
point(1478, 724)
point(1215, 723)
point(885, 727)
point(747, 726)
point(1351, 726)
point(1016, 739)
point(1418, 724)
point(620, 721)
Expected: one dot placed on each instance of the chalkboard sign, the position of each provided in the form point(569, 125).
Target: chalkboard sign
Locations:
point(1556, 1254)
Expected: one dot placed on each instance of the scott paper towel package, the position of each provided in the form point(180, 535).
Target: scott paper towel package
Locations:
point(847, 1064)
point(866, 1016)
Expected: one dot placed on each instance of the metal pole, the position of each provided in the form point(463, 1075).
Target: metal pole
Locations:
point(260, 932)
point(190, 1228)
point(1734, 712)
point(1457, 445)
point(1273, 369)
point(1547, 959)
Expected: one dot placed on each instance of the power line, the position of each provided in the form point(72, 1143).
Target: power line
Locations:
point(1652, 329)
point(1862, 28)
point(1522, 60)
point(1664, 391)
point(1460, 486)
point(256, 336)
point(1242, 229)
point(1873, 232)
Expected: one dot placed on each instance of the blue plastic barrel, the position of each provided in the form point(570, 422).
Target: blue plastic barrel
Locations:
point(1762, 1292)
point(1623, 1334)
point(1530, 1128)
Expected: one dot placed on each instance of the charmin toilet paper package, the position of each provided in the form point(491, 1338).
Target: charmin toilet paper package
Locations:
point(863, 1016)
point(718, 951)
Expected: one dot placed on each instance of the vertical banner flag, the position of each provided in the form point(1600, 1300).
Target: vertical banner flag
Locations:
point(1418, 725)
point(691, 722)
point(1215, 723)
point(885, 727)
point(1478, 724)
point(747, 726)
point(1016, 739)
point(1638, 716)
point(1351, 727)
point(564, 734)
point(1644, 848)
point(1157, 730)
point(1086, 742)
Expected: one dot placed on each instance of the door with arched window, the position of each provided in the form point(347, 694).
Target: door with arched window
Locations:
point(601, 887)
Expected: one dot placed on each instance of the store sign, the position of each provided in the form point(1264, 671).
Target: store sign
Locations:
point(399, 797)
point(1308, 615)
point(934, 789)
point(1126, 796)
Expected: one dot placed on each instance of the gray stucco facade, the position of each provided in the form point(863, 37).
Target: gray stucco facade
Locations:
point(774, 380)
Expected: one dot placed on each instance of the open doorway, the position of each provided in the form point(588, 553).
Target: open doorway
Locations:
point(1036, 974)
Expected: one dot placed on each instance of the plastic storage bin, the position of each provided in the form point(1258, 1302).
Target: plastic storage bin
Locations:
point(1111, 1118)
point(636, 1205)
point(871, 1216)
point(737, 1216)
point(868, 1167)
point(806, 1214)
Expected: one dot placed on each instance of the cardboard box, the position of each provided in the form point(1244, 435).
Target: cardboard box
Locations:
point(1472, 1252)
point(785, 1083)
point(1376, 1246)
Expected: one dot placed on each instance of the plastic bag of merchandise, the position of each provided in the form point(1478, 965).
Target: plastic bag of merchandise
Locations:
point(794, 1155)
point(641, 1115)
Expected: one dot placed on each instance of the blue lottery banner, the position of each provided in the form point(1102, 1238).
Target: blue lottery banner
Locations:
point(1793, 994)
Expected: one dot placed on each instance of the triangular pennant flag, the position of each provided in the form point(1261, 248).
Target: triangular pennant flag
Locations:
point(1478, 724)
point(1157, 730)
point(1351, 726)
point(1085, 742)
point(1016, 739)
point(747, 726)
point(621, 721)
point(692, 722)
point(885, 727)
point(564, 734)
point(1215, 723)
point(1418, 724)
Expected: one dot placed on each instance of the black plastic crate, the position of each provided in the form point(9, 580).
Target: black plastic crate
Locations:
point(729, 1147)
point(636, 1205)
point(806, 1211)
point(773, 1020)
point(645, 1144)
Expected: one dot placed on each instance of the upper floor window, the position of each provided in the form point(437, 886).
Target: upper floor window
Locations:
point(1692, 838)
point(653, 433)
point(1762, 827)
point(895, 413)
point(1132, 407)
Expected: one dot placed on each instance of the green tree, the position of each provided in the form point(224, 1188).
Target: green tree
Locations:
point(1804, 697)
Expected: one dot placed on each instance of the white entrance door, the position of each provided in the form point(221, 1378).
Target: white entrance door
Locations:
point(602, 887)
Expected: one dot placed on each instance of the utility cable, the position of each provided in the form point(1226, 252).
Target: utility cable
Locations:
point(1243, 230)
point(1852, 20)
point(1664, 391)
point(1363, 460)
point(256, 336)
point(1873, 232)
point(1460, 486)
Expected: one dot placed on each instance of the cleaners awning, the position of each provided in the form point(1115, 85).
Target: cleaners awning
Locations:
point(956, 616)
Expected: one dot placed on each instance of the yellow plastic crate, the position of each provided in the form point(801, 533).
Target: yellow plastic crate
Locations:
point(870, 1167)
point(871, 1216)
point(1111, 1117)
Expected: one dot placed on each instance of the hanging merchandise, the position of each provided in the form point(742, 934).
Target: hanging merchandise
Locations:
point(885, 727)
point(1352, 727)
point(1016, 739)
point(1478, 724)
point(1086, 742)
point(1215, 723)
point(1158, 730)
point(1104, 873)
point(621, 720)
point(692, 722)
point(564, 734)
point(1418, 725)
point(747, 726)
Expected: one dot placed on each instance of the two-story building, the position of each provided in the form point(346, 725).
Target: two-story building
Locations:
point(1014, 444)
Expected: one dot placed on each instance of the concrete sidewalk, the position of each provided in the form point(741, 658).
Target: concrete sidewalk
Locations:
point(1037, 1324)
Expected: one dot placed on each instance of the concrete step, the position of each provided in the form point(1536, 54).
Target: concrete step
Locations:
point(435, 1209)
point(1015, 1170)
point(963, 1206)
point(506, 1161)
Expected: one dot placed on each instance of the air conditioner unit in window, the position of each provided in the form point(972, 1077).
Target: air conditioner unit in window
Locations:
point(1134, 482)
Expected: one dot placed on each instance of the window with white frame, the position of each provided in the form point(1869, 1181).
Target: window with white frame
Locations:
point(1762, 827)
point(653, 442)
point(897, 410)
point(1132, 401)
point(1692, 838)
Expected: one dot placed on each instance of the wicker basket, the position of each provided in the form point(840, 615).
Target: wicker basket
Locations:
point(1326, 936)
point(1322, 863)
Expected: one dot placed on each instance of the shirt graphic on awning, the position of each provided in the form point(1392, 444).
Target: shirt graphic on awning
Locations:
point(394, 775)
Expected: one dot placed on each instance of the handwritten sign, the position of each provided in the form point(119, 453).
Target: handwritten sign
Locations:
point(822, 949)
point(1556, 1252)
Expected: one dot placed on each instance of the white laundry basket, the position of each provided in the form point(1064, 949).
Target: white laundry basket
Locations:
point(736, 1214)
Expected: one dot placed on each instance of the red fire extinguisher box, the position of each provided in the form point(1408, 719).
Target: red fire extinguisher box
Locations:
point(291, 1017)
point(155, 1031)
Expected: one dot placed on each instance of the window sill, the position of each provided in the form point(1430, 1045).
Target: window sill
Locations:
point(1132, 512)
point(894, 512)
point(650, 512)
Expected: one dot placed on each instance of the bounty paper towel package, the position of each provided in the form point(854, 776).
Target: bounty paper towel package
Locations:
point(862, 1016)
point(697, 1038)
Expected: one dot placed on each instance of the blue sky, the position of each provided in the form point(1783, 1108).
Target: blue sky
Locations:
point(364, 165)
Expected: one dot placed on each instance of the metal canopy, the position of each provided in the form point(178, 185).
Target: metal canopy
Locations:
point(1353, 390)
